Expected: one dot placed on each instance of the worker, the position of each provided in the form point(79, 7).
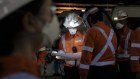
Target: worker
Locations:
point(135, 53)
point(22, 23)
point(123, 57)
point(70, 46)
point(42, 53)
point(98, 56)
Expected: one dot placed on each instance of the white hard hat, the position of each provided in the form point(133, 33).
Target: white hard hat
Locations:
point(72, 20)
point(9, 6)
point(120, 15)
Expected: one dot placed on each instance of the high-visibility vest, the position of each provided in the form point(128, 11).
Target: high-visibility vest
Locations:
point(125, 54)
point(95, 61)
point(108, 44)
point(78, 42)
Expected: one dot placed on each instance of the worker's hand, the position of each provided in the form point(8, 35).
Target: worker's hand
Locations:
point(54, 53)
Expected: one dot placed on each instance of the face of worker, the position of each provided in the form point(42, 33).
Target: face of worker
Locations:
point(34, 24)
point(120, 24)
point(72, 31)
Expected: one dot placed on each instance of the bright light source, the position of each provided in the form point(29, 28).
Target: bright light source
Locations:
point(115, 18)
point(58, 57)
point(83, 10)
point(71, 24)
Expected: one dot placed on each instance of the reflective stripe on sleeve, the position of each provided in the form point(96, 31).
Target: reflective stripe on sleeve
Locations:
point(72, 62)
point(84, 66)
point(137, 45)
point(123, 55)
point(87, 48)
point(104, 63)
point(134, 57)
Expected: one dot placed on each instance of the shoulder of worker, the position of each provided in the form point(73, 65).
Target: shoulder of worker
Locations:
point(124, 30)
point(102, 25)
point(92, 31)
point(135, 33)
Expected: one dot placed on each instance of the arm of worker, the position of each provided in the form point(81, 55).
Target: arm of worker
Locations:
point(64, 55)
point(87, 54)
point(133, 49)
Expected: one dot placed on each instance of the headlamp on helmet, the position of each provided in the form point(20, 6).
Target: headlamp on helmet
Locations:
point(120, 15)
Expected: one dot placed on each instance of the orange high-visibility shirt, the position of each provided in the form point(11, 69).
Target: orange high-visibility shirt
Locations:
point(73, 41)
point(94, 43)
point(122, 52)
point(135, 50)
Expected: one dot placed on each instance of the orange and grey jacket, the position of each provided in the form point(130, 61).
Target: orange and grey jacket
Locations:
point(122, 52)
point(68, 41)
point(100, 47)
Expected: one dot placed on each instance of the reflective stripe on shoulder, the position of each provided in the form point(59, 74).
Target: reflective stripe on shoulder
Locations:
point(87, 48)
point(123, 55)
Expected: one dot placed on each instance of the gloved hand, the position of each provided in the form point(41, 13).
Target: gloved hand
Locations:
point(55, 53)
point(59, 57)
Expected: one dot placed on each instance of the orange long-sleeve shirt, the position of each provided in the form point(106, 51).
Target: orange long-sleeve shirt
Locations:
point(71, 41)
point(123, 51)
point(94, 43)
point(135, 50)
point(96, 40)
